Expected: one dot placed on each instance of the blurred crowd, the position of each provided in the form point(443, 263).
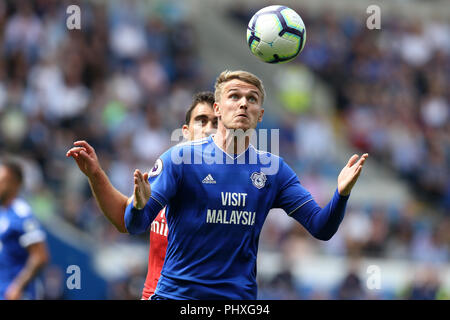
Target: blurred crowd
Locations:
point(124, 81)
point(392, 91)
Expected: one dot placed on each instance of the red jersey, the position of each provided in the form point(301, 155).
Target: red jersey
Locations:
point(156, 254)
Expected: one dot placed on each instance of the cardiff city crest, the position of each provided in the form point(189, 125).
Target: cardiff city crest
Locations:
point(259, 179)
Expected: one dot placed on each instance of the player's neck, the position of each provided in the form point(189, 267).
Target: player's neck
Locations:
point(231, 141)
point(6, 202)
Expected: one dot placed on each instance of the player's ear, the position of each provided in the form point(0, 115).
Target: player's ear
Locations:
point(216, 108)
point(185, 131)
point(261, 113)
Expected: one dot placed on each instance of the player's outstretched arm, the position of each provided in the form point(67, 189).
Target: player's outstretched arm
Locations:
point(111, 201)
point(323, 223)
point(141, 208)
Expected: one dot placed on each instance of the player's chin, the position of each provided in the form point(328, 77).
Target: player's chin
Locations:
point(242, 125)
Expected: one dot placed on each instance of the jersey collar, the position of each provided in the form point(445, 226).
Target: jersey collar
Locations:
point(232, 156)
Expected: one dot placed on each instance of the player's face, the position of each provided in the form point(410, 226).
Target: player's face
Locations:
point(202, 124)
point(239, 106)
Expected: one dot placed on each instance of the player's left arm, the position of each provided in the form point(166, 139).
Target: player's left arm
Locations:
point(322, 223)
point(37, 258)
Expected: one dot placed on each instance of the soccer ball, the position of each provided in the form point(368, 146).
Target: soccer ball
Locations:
point(276, 34)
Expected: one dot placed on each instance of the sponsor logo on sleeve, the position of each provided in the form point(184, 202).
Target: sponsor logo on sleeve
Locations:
point(157, 168)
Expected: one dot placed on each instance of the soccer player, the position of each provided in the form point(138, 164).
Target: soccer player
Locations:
point(23, 251)
point(200, 122)
point(218, 192)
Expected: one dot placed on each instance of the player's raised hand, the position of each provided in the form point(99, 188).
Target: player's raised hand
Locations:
point(350, 173)
point(85, 157)
point(142, 190)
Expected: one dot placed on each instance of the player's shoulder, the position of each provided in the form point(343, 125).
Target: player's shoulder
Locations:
point(183, 148)
point(177, 155)
point(21, 209)
point(275, 165)
point(192, 143)
point(266, 154)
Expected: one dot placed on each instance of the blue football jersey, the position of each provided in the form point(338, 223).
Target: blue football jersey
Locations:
point(216, 208)
point(18, 229)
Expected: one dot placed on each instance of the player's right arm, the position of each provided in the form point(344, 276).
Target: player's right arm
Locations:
point(142, 190)
point(110, 200)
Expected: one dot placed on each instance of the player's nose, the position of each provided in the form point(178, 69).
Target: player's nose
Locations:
point(243, 103)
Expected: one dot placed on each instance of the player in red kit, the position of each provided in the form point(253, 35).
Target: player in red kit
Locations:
point(200, 122)
point(157, 253)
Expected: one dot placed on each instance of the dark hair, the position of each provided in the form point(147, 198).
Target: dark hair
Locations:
point(204, 96)
point(15, 168)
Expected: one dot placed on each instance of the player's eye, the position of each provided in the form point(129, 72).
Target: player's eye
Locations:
point(234, 96)
point(252, 99)
point(201, 121)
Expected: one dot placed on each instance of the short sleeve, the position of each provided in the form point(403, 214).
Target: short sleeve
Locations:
point(164, 178)
point(31, 231)
point(291, 195)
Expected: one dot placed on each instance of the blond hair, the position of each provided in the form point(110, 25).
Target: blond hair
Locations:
point(245, 76)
